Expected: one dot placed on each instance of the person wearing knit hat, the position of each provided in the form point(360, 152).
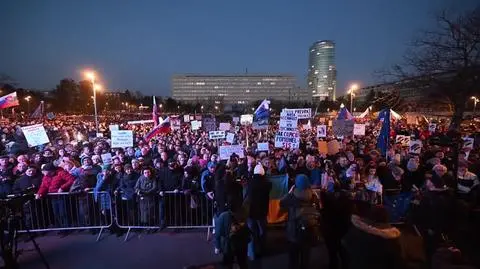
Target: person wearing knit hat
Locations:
point(258, 193)
point(302, 227)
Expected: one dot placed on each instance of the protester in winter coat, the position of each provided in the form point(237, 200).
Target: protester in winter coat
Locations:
point(31, 179)
point(303, 208)
point(145, 188)
point(372, 243)
point(258, 197)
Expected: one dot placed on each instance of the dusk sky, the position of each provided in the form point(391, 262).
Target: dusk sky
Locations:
point(139, 44)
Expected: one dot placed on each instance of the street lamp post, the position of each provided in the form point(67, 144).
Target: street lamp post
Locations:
point(352, 90)
point(28, 104)
point(91, 76)
point(475, 101)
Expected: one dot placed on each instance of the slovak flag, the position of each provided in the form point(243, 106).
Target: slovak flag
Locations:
point(344, 114)
point(162, 128)
point(9, 100)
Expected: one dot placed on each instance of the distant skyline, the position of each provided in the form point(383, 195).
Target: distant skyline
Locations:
point(139, 45)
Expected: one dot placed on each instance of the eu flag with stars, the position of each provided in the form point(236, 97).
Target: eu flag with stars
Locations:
point(383, 139)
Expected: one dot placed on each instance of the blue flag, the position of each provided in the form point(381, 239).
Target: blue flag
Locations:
point(262, 115)
point(383, 139)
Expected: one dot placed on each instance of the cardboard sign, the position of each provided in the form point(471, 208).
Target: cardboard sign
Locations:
point(213, 135)
point(122, 139)
point(107, 158)
point(403, 139)
point(35, 135)
point(432, 127)
point(468, 142)
point(359, 129)
point(321, 131)
point(343, 127)
point(333, 147)
point(186, 118)
point(224, 126)
point(230, 138)
point(263, 147)
point(209, 124)
point(287, 139)
point(196, 125)
point(415, 146)
point(246, 119)
point(226, 151)
point(322, 147)
point(114, 127)
point(301, 113)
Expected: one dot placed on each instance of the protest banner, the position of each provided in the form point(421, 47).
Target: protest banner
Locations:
point(196, 125)
point(287, 139)
point(175, 123)
point(246, 119)
point(133, 122)
point(213, 135)
point(359, 129)
point(99, 135)
point(415, 146)
point(121, 139)
point(226, 151)
point(321, 131)
point(224, 126)
point(343, 127)
point(186, 118)
point(404, 140)
point(236, 120)
point(263, 146)
point(432, 127)
point(35, 135)
point(301, 113)
point(230, 138)
point(288, 120)
point(209, 124)
point(113, 127)
point(107, 158)
point(307, 127)
point(468, 142)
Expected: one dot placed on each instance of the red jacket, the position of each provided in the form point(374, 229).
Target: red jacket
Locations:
point(61, 179)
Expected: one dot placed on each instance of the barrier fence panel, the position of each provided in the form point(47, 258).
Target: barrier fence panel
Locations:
point(176, 210)
point(68, 211)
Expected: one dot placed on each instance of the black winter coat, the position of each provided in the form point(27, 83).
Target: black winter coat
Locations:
point(259, 196)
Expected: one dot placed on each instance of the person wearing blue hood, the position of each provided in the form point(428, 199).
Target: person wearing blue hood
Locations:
point(303, 230)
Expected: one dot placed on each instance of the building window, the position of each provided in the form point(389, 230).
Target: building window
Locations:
point(259, 83)
point(247, 91)
point(216, 87)
point(272, 83)
point(200, 83)
point(316, 72)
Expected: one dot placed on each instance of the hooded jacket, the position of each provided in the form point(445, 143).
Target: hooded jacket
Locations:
point(373, 246)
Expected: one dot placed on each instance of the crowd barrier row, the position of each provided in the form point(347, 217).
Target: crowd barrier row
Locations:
point(83, 211)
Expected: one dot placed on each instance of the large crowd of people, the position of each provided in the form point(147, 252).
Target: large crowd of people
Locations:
point(348, 198)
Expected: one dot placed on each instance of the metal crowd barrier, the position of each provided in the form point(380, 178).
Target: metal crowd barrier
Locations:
point(68, 211)
point(177, 210)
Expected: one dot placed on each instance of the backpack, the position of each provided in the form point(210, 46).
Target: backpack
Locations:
point(307, 223)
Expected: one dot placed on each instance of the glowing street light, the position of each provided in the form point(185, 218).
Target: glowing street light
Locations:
point(28, 98)
point(91, 76)
point(351, 91)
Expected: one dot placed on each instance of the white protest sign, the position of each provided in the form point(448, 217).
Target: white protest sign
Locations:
point(35, 135)
point(230, 137)
point(246, 119)
point(262, 146)
point(141, 121)
point(122, 139)
point(224, 126)
point(186, 118)
point(415, 146)
point(432, 127)
point(287, 139)
point(307, 127)
point(288, 120)
point(301, 113)
point(196, 124)
point(236, 120)
point(359, 129)
point(99, 134)
point(114, 127)
point(321, 131)
point(468, 142)
point(226, 151)
point(107, 158)
point(216, 135)
point(403, 139)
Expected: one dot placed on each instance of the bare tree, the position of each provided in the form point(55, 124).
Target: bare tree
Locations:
point(447, 61)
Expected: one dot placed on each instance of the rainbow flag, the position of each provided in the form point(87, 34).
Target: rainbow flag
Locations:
point(279, 190)
point(9, 100)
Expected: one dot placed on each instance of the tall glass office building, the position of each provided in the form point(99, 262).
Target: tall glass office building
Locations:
point(235, 88)
point(322, 73)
